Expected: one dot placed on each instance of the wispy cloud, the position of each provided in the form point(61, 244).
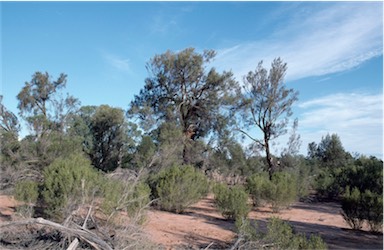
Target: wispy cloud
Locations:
point(314, 41)
point(161, 25)
point(356, 117)
point(117, 62)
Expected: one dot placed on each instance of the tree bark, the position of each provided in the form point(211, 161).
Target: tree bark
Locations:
point(271, 168)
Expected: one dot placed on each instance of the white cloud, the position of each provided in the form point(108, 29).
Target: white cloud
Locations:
point(314, 41)
point(356, 117)
point(117, 62)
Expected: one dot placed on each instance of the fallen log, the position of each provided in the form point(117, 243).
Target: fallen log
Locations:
point(86, 235)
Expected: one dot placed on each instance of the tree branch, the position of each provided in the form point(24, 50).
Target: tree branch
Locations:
point(86, 235)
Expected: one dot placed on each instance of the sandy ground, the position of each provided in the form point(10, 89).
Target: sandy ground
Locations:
point(202, 225)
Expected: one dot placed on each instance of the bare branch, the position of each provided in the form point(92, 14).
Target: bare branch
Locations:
point(86, 235)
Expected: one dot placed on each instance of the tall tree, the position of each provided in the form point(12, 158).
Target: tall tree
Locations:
point(42, 106)
point(181, 90)
point(108, 129)
point(330, 152)
point(9, 131)
point(47, 112)
point(266, 104)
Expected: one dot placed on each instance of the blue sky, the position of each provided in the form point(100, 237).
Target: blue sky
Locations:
point(334, 52)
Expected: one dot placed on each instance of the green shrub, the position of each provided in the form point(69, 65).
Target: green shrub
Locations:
point(257, 186)
point(362, 207)
point(327, 185)
point(178, 187)
point(352, 209)
point(27, 192)
point(372, 207)
point(279, 235)
point(128, 197)
point(67, 183)
point(232, 202)
point(282, 191)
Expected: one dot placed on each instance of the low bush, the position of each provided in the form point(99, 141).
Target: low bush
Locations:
point(232, 202)
point(372, 207)
point(279, 235)
point(68, 182)
point(131, 198)
point(178, 187)
point(257, 186)
point(362, 207)
point(280, 192)
point(27, 192)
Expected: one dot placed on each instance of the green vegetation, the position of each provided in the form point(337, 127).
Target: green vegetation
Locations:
point(179, 131)
point(131, 198)
point(257, 186)
point(68, 183)
point(279, 235)
point(178, 187)
point(357, 182)
point(232, 202)
point(280, 192)
point(27, 192)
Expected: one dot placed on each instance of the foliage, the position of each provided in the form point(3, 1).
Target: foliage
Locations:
point(169, 138)
point(68, 182)
point(180, 90)
point(26, 191)
point(327, 186)
point(9, 131)
point(41, 106)
point(130, 197)
point(281, 191)
point(330, 152)
point(358, 182)
point(372, 207)
point(352, 213)
point(257, 185)
point(302, 170)
point(145, 152)
point(178, 187)
point(360, 207)
point(279, 235)
point(232, 202)
point(266, 105)
point(107, 135)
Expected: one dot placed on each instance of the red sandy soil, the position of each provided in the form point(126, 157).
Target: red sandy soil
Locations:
point(202, 225)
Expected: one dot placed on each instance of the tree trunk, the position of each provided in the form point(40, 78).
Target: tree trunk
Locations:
point(271, 168)
point(186, 151)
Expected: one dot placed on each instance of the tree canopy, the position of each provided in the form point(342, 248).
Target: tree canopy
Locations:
point(180, 89)
point(266, 104)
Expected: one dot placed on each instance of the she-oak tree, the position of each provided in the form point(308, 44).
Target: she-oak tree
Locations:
point(181, 90)
point(266, 104)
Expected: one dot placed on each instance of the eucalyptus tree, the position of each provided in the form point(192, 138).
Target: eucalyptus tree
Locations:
point(266, 105)
point(42, 106)
point(9, 132)
point(330, 152)
point(181, 89)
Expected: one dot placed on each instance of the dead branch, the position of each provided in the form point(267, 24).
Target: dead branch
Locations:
point(86, 235)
